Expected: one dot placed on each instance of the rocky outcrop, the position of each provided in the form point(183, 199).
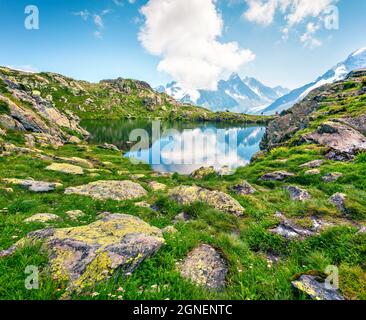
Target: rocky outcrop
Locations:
point(216, 199)
point(300, 116)
point(331, 177)
point(312, 164)
point(316, 288)
point(344, 141)
point(86, 255)
point(110, 189)
point(205, 267)
point(156, 186)
point(339, 200)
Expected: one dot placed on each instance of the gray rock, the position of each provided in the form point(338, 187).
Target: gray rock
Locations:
point(339, 200)
point(331, 177)
point(182, 217)
point(277, 176)
point(35, 186)
point(316, 289)
point(243, 188)
point(205, 267)
point(108, 146)
point(312, 172)
point(297, 193)
point(312, 164)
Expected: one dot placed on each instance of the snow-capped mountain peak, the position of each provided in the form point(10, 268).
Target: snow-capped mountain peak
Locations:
point(355, 60)
point(234, 94)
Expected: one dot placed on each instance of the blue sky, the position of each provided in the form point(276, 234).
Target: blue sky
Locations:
point(109, 47)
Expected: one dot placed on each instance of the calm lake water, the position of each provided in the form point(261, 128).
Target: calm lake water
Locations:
point(179, 147)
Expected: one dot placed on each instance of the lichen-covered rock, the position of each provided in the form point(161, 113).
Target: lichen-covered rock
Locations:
point(339, 200)
point(277, 176)
point(216, 199)
point(42, 218)
point(77, 161)
point(86, 255)
point(108, 146)
point(243, 188)
point(312, 172)
point(75, 214)
point(312, 164)
point(343, 140)
point(203, 172)
point(35, 186)
point(109, 189)
point(205, 267)
point(297, 193)
point(156, 186)
point(316, 288)
point(331, 177)
point(66, 168)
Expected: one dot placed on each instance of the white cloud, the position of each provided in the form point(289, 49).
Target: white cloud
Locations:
point(84, 14)
point(185, 34)
point(294, 12)
point(308, 38)
point(98, 21)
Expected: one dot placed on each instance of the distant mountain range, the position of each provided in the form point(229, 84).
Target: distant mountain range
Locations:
point(250, 96)
point(246, 95)
point(356, 60)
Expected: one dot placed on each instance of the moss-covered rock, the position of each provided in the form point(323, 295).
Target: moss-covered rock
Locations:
point(86, 255)
point(65, 168)
point(216, 199)
point(109, 189)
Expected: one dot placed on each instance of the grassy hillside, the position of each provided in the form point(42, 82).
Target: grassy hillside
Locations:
point(261, 263)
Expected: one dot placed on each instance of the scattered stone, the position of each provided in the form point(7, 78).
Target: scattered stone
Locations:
point(42, 218)
point(66, 168)
point(312, 164)
point(182, 217)
point(203, 172)
point(277, 176)
point(109, 189)
point(204, 266)
point(86, 255)
point(216, 199)
point(32, 185)
point(156, 186)
point(289, 230)
point(362, 230)
point(297, 193)
point(243, 189)
point(316, 288)
point(143, 204)
point(331, 177)
point(312, 172)
point(75, 214)
point(169, 230)
point(108, 146)
point(339, 200)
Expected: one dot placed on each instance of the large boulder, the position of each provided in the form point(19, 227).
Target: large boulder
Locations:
point(216, 199)
point(109, 189)
point(243, 189)
point(86, 255)
point(344, 141)
point(204, 266)
point(203, 172)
